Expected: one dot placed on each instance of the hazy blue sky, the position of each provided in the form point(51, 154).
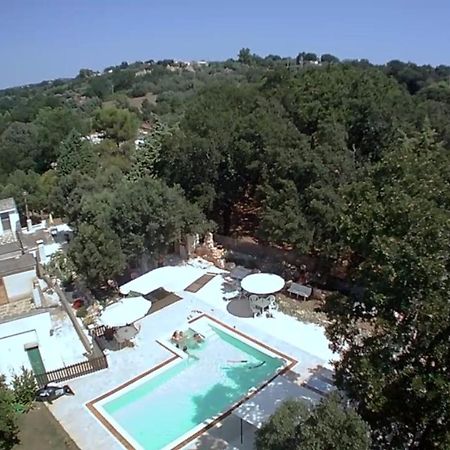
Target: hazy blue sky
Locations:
point(44, 39)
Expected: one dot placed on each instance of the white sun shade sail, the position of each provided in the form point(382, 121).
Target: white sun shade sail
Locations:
point(125, 311)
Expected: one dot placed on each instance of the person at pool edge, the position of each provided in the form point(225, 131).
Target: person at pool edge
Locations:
point(198, 338)
point(177, 335)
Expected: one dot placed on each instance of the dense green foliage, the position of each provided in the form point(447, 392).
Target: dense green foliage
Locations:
point(397, 223)
point(96, 254)
point(329, 425)
point(341, 159)
point(8, 417)
point(117, 124)
point(24, 386)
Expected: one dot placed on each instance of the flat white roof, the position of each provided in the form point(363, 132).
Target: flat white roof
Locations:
point(171, 278)
point(58, 343)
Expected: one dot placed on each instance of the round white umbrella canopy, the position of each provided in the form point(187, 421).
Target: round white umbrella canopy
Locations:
point(125, 311)
point(262, 283)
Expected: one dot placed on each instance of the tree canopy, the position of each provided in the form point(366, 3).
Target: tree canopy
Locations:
point(336, 159)
point(8, 417)
point(396, 224)
point(117, 124)
point(329, 425)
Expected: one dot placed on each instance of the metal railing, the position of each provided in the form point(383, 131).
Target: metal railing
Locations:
point(73, 371)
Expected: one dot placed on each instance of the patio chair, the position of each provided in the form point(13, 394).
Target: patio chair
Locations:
point(273, 305)
point(256, 311)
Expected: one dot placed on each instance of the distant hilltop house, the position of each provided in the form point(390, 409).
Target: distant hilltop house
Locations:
point(200, 63)
point(141, 73)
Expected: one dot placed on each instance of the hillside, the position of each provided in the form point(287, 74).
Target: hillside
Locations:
point(342, 161)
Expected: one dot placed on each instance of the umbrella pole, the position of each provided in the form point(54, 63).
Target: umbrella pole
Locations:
point(242, 434)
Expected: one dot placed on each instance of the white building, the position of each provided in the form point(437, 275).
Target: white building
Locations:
point(40, 341)
point(17, 276)
point(9, 217)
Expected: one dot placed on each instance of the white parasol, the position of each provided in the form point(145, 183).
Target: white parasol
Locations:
point(125, 311)
point(262, 283)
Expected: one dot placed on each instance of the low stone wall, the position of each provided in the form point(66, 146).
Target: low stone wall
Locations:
point(16, 308)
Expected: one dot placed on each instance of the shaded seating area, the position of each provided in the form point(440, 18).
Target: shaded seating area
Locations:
point(299, 290)
point(114, 338)
point(259, 304)
point(257, 296)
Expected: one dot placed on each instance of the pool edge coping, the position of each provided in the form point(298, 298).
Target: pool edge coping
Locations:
point(123, 440)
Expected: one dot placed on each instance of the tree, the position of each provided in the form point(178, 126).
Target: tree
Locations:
point(310, 57)
point(85, 73)
point(147, 108)
point(75, 154)
point(96, 254)
point(224, 146)
point(394, 340)
point(18, 148)
point(244, 56)
point(100, 87)
point(122, 79)
point(38, 189)
point(149, 217)
point(349, 96)
point(328, 425)
point(8, 417)
point(282, 219)
point(330, 59)
point(24, 386)
point(280, 431)
point(66, 196)
point(439, 92)
point(118, 124)
point(54, 125)
point(149, 153)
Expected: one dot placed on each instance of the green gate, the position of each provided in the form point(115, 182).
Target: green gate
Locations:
point(35, 358)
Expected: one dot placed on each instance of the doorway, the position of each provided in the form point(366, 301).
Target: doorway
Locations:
point(6, 224)
point(35, 358)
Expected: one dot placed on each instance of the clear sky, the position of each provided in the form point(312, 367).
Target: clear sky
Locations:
point(45, 39)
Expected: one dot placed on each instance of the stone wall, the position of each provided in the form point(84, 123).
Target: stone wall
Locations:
point(16, 308)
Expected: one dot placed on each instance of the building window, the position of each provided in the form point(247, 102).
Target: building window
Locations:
point(6, 224)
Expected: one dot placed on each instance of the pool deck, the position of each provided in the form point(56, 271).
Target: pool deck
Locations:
point(282, 333)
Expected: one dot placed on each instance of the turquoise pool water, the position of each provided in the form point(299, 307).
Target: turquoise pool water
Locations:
point(217, 374)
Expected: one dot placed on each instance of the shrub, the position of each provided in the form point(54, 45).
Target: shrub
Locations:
point(8, 417)
point(24, 386)
point(82, 312)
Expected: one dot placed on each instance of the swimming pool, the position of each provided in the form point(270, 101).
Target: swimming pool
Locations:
point(164, 408)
